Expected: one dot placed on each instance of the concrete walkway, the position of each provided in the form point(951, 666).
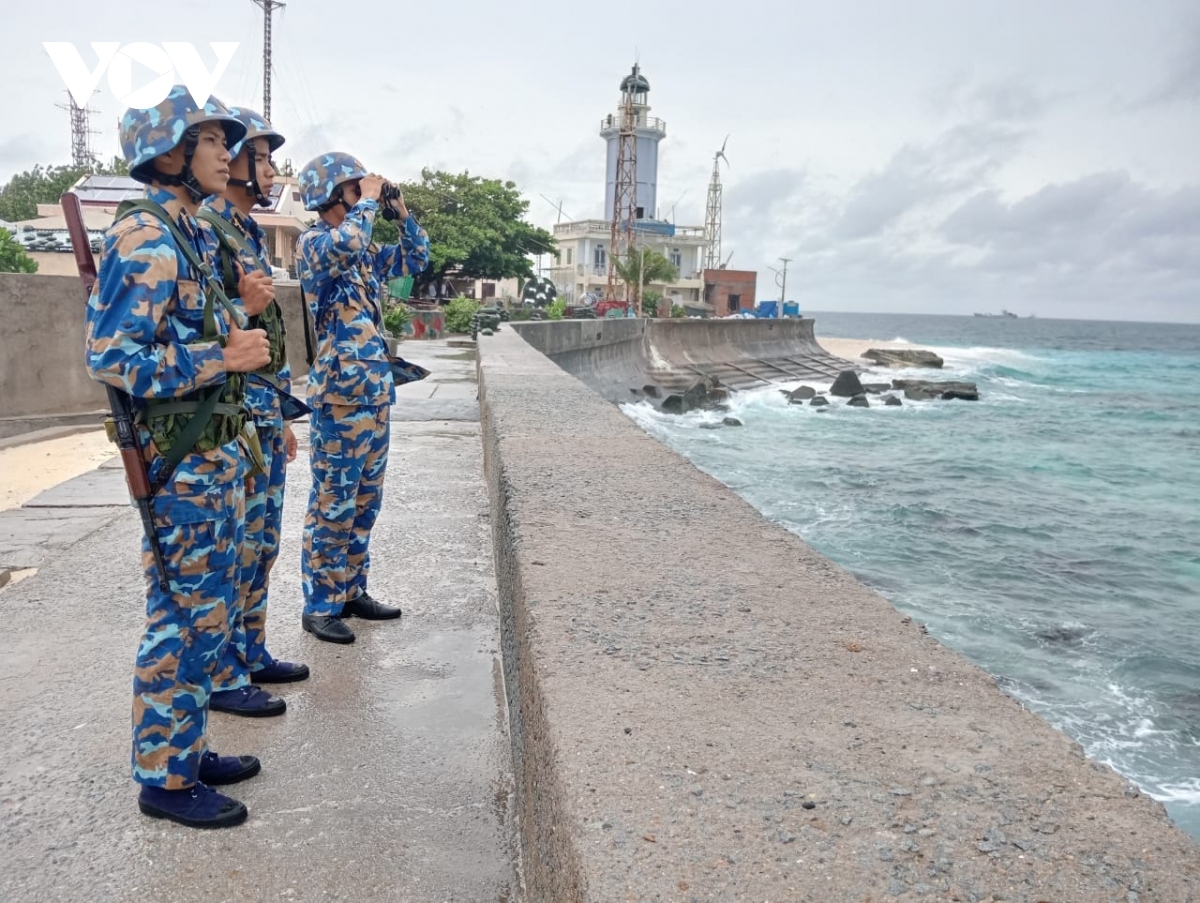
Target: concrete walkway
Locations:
point(389, 777)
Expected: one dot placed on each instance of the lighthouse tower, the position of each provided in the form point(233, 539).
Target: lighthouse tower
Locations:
point(649, 131)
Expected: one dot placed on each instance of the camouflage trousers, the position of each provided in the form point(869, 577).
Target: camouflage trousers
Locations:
point(349, 452)
point(247, 648)
point(199, 522)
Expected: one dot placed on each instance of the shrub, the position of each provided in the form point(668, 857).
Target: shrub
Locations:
point(459, 313)
point(396, 319)
point(556, 309)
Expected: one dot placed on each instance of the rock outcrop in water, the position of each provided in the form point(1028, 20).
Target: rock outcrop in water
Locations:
point(903, 357)
point(925, 390)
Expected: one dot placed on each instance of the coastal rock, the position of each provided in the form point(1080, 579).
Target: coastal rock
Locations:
point(650, 390)
point(858, 401)
point(732, 421)
point(924, 390)
point(876, 388)
point(892, 401)
point(903, 357)
point(697, 396)
point(819, 401)
point(846, 385)
point(800, 394)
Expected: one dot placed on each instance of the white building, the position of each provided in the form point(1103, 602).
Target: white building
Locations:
point(584, 246)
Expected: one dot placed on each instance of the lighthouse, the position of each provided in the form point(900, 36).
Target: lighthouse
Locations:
point(649, 131)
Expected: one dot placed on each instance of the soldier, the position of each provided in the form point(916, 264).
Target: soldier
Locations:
point(350, 384)
point(240, 247)
point(157, 330)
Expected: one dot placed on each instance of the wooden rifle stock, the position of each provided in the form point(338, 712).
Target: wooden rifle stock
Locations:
point(136, 475)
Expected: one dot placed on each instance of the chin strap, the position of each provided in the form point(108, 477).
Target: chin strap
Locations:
point(185, 176)
point(251, 184)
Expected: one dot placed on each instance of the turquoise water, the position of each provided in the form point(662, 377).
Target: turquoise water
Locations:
point(1050, 531)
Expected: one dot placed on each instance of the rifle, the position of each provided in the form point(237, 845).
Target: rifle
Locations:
point(137, 478)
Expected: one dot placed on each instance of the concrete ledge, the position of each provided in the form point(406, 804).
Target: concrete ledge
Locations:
point(757, 725)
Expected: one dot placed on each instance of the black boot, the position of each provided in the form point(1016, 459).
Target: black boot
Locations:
point(370, 610)
point(323, 627)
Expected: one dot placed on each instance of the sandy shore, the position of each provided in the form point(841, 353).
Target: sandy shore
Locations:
point(30, 469)
point(852, 349)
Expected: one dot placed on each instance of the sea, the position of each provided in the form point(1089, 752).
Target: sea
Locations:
point(1049, 531)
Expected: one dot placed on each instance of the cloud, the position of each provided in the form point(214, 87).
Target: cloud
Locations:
point(1182, 82)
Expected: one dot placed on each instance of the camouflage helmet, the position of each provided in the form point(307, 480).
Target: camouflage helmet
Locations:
point(321, 176)
point(256, 127)
point(147, 134)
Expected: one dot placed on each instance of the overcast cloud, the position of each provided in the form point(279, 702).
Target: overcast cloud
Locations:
point(926, 156)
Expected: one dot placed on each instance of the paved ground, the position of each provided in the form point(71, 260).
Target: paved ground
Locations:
point(388, 779)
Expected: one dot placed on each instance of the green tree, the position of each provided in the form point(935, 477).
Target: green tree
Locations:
point(646, 267)
point(476, 227)
point(40, 185)
point(13, 258)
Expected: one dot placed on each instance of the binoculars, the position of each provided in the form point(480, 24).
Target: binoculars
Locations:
point(388, 198)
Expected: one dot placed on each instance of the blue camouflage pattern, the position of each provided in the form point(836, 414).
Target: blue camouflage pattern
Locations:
point(256, 127)
point(262, 399)
point(264, 518)
point(321, 175)
point(246, 651)
point(349, 452)
point(350, 388)
point(147, 134)
point(145, 336)
point(342, 273)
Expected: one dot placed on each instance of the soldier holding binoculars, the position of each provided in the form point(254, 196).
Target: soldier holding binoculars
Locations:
point(350, 386)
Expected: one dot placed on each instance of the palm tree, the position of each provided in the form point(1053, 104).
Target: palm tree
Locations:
point(645, 267)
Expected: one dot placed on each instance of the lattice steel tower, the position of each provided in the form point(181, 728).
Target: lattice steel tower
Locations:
point(81, 133)
point(268, 7)
point(712, 217)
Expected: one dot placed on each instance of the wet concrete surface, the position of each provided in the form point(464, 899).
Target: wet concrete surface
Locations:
point(389, 778)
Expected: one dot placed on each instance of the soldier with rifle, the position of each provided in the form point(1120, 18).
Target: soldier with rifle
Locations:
point(239, 247)
point(162, 334)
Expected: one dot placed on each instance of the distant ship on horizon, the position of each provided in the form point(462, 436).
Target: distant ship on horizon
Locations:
point(1003, 313)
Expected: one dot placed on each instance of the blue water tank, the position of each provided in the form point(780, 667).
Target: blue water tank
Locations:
point(791, 309)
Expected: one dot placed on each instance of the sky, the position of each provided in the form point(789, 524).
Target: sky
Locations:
point(924, 156)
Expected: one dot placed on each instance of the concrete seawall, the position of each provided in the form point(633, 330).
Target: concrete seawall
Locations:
point(42, 375)
point(619, 358)
point(758, 726)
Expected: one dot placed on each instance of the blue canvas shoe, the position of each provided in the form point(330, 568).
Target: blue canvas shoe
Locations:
point(278, 672)
point(198, 806)
point(216, 770)
point(249, 702)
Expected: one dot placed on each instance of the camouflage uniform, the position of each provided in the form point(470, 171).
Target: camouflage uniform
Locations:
point(350, 383)
point(145, 323)
point(247, 650)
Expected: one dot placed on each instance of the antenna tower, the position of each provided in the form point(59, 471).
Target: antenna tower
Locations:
point(712, 217)
point(268, 7)
point(81, 132)
point(624, 190)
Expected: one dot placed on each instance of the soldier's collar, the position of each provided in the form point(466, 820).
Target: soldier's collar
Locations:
point(167, 200)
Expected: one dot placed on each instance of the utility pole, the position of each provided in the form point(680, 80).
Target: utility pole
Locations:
point(268, 7)
point(781, 281)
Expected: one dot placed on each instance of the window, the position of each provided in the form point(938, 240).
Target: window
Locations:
point(735, 303)
point(489, 290)
point(569, 253)
point(677, 259)
point(600, 258)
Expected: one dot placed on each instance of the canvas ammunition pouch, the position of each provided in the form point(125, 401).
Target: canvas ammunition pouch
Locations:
point(207, 418)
